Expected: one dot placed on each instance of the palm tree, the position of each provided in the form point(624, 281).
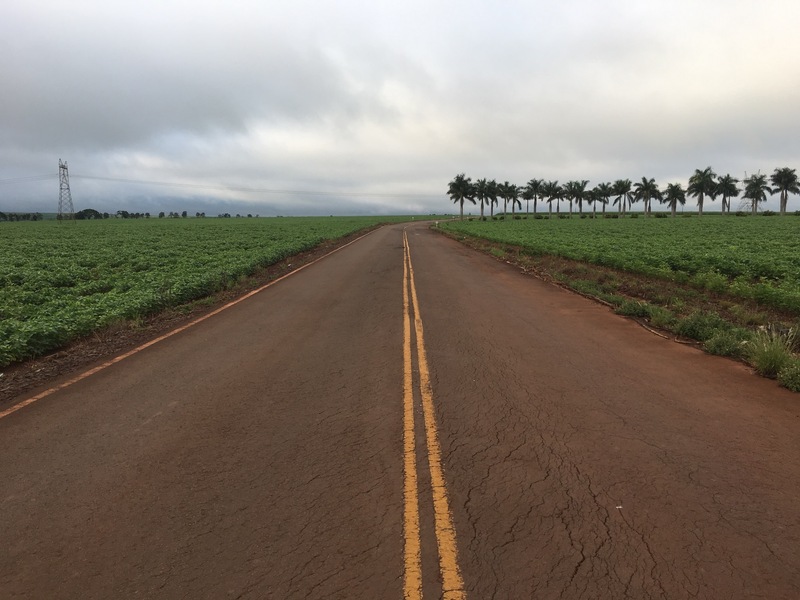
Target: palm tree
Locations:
point(461, 189)
point(591, 198)
point(552, 191)
point(481, 192)
point(646, 190)
point(576, 191)
point(674, 195)
point(727, 189)
point(513, 195)
point(785, 182)
point(702, 184)
point(755, 190)
point(532, 191)
point(581, 194)
point(568, 189)
point(603, 193)
point(622, 190)
point(492, 192)
point(502, 191)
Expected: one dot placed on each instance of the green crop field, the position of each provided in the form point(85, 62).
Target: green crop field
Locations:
point(59, 281)
point(752, 257)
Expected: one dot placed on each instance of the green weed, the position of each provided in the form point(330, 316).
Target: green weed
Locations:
point(730, 342)
point(789, 375)
point(700, 326)
point(633, 308)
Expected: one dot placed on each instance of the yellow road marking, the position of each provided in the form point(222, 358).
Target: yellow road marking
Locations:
point(412, 580)
point(138, 349)
point(452, 582)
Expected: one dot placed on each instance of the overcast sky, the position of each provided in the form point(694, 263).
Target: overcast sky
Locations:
point(375, 106)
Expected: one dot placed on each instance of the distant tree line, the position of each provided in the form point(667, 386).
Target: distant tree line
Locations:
point(703, 185)
point(21, 216)
point(90, 213)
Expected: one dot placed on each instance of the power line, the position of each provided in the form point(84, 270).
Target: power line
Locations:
point(228, 188)
point(232, 188)
point(30, 178)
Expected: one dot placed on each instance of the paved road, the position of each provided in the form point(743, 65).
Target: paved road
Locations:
point(373, 426)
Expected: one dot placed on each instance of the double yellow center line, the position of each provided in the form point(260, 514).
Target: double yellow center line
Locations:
point(452, 583)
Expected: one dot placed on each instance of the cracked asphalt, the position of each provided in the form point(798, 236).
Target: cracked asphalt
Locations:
point(259, 454)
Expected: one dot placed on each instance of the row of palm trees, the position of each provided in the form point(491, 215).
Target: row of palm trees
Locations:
point(703, 185)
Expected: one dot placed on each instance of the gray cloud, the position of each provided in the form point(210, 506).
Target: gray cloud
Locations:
point(389, 98)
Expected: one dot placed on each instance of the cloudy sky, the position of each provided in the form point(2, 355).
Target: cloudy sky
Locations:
point(345, 107)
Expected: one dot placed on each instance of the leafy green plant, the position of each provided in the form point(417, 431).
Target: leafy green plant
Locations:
point(789, 375)
point(662, 318)
point(633, 308)
point(710, 280)
point(729, 342)
point(700, 325)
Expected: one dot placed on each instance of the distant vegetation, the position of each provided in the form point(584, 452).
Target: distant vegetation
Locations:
point(12, 216)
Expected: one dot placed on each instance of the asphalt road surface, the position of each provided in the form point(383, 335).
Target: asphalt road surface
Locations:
point(405, 418)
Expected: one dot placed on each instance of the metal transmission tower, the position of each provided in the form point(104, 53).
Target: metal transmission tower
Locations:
point(65, 208)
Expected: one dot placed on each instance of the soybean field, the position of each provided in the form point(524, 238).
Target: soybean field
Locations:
point(755, 258)
point(59, 281)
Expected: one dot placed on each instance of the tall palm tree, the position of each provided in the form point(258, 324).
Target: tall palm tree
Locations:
point(552, 191)
point(532, 191)
point(461, 189)
point(591, 198)
point(492, 192)
point(727, 189)
point(603, 193)
point(481, 192)
point(646, 190)
point(581, 194)
point(566, 191)
point(674, 195)
point(575, 191)
point(756, 190)
point(513, 193)
point(702, 185)
point(502, 191)
point(622, 190)
point(785, 181)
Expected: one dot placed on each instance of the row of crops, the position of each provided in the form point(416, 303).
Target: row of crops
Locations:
point(59, 281)
point(752, 258)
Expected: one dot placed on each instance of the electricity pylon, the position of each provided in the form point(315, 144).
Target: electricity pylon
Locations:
point(65, 208)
